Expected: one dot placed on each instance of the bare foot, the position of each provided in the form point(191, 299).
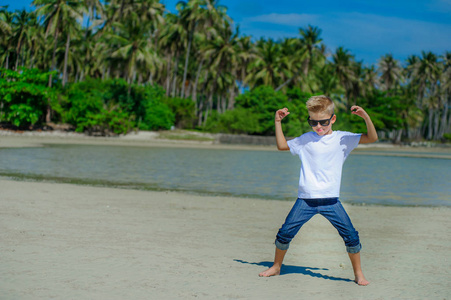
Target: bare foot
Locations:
point(273, 271)
point(360, 280)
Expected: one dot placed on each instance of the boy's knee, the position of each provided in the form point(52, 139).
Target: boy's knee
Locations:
point(352, 242)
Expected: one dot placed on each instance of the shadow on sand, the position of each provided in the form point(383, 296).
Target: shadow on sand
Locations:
point(287, 269)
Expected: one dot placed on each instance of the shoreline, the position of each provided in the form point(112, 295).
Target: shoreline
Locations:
point(151, 139)
point(148, 139)
point(120, 186)
point(68, 241)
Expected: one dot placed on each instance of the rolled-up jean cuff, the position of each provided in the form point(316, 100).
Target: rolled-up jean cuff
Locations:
point(354, 249)
point(281, 246)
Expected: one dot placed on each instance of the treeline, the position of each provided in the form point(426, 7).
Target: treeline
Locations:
point(132, 64)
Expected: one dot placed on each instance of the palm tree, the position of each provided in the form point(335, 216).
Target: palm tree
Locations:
point(171, 43)
point(58, 15)
point(246, 53)
point(294, 56)
point(358, 85)
point(307, 50)
point(33, 42)
point(343, 63)
point(190, 16)
point(311, 40)
point(133, 48)
point(95, 9)
point(427, 74)
point(371, 79)
point(326, 80)
point(391, 72)
point(6, 23)
point(72, 30)
point(266, 69)
point(223, 51)
point(445, 80)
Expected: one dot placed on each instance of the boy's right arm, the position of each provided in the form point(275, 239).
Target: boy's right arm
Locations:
point(280, 137)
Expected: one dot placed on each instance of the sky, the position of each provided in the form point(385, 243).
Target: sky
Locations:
point(369, 29)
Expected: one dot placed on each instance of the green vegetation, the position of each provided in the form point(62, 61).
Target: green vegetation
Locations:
point(155, 70)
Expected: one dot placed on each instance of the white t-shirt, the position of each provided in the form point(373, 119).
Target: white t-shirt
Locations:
point(322, 160)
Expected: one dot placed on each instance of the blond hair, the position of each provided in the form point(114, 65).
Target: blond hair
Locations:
point(321, 103)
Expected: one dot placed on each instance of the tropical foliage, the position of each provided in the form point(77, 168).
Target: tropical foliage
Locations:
point(107, 67)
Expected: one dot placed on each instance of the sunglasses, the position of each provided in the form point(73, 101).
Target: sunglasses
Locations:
point(314, 123)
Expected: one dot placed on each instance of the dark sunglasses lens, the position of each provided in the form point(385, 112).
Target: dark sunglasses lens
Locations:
point(324, 122)
point(312, 123)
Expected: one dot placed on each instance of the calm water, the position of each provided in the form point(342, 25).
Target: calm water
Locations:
point(262, 174)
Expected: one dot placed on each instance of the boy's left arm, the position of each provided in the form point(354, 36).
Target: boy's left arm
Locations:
point(371, 135)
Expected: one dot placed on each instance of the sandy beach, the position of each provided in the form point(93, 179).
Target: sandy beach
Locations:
point(61, 241)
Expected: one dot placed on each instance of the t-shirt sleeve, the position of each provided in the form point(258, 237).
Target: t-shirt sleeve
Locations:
point(295, 145)
point(350, 140)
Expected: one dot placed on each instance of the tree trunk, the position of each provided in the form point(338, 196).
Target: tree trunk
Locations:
point(397, 134)
point(305, 65)
point(199, 119)
point(66, 55)
point(224, 103)
point(436, 124)
point(209, 107)
point(219, 104)
point(53, 58)
point(19, 44)
point(231, 103)
point(448, 125)
point(210, 104)
point(289, 80)
point(48, 116)
point(168, 76)
point(443, 120)
point(199, 69)
point(174, 79)
point(431, 115)
point(185, 72)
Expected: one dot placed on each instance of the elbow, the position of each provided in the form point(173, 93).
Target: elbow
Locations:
point(283, 147)
point(368, 139)
point(376, 138)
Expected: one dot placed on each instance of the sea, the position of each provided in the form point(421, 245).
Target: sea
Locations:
point(369, 178)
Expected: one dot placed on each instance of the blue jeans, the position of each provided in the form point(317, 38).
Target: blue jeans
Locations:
point(331, 208)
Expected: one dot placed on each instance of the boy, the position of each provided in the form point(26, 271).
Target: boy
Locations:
point(322, 152)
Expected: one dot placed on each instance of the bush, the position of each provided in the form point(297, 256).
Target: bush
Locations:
point(114, 106)
point(237, 121)
point(157, 116)
point(184, 111)
point(22, 115)
point(25, 96)
point(105, 123)
point(255, 110)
